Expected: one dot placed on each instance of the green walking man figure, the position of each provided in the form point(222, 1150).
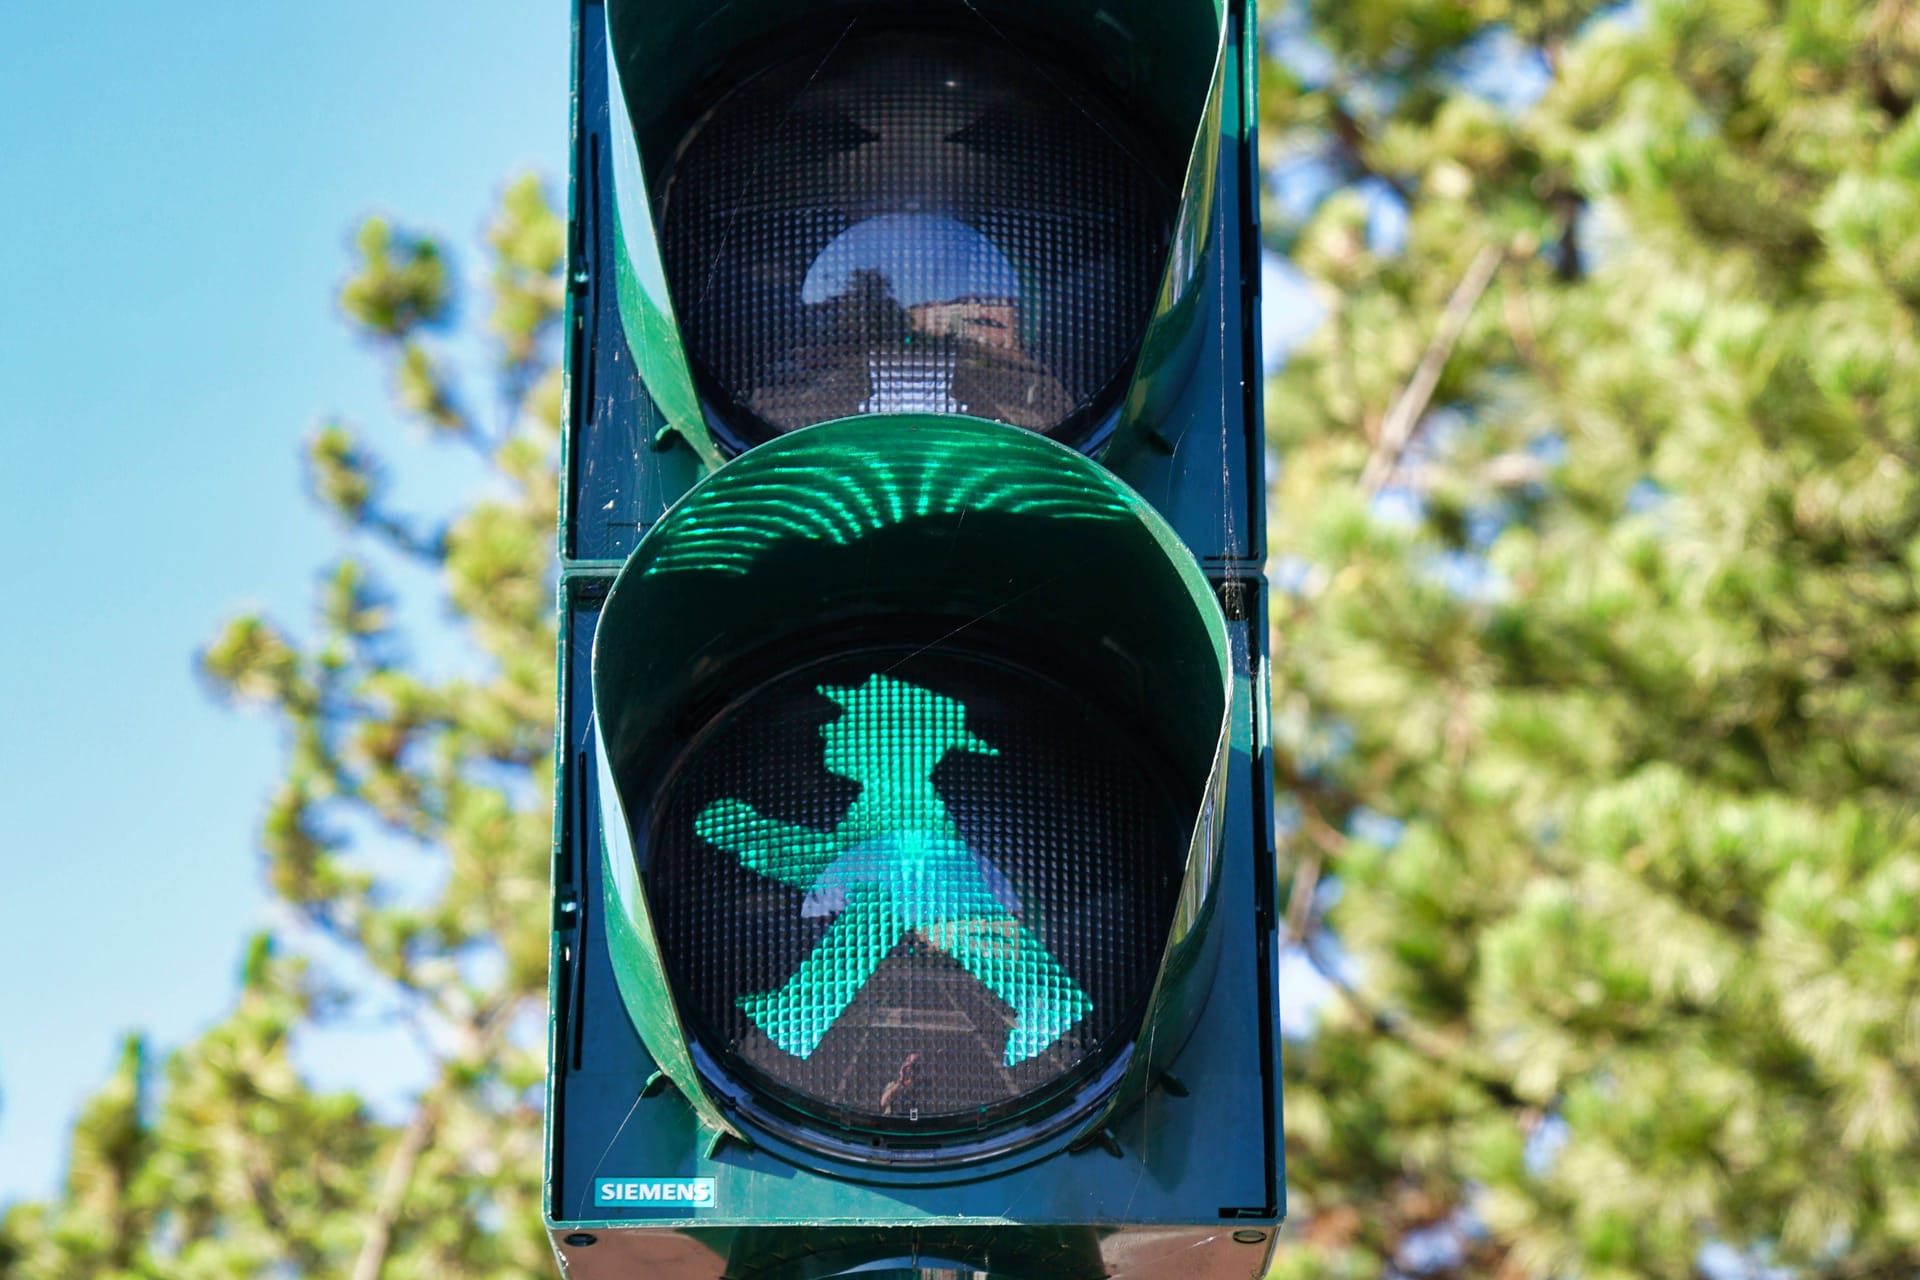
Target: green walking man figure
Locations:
point(895, 865)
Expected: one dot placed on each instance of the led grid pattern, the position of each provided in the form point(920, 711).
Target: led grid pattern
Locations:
point(930, 224)
point(915, 894)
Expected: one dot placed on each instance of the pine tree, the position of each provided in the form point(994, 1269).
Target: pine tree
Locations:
point(222, 1161)
point(1597, 653)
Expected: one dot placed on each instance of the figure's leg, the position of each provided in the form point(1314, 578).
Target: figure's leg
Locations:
point(798, 1015)
point(1013, 964)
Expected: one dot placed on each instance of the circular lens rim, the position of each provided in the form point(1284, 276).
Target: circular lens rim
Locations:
point(873, 570)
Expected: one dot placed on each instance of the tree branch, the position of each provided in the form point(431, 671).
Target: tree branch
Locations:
point(1409, 410)
point(483, 1031)
point(1411, 1035)
point(393, 1189)
point(1306, 879)
point(1569, 260)
point(1351, 136)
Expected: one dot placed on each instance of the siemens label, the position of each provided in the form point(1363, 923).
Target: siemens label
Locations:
point(629, 1193)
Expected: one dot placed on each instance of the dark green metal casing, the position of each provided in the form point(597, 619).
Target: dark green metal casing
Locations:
point(1158, 541)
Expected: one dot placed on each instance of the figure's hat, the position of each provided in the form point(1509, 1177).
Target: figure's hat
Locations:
point(929, 719)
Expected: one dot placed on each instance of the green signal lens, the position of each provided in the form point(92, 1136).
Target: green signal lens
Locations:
point(907, 892)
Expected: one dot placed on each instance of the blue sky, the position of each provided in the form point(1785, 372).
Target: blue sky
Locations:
point(180, 180)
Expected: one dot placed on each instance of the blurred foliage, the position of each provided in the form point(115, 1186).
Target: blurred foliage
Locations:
point(1596, 664)
point(1596, 653)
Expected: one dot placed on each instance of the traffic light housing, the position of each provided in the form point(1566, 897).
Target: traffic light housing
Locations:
point(914, 886)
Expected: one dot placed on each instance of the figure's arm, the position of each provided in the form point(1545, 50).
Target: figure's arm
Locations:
point(779, 850)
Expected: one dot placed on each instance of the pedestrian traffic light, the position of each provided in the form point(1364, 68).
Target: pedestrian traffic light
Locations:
point(914, 886)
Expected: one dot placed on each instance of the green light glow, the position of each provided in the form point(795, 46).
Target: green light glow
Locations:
point(895, 865)
point(841, 494)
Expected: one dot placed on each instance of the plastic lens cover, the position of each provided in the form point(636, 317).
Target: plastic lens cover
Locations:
point(913, 894)
point(924, 222)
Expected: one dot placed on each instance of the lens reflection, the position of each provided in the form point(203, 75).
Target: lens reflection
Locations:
point(929, 224)
point(936, 304)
